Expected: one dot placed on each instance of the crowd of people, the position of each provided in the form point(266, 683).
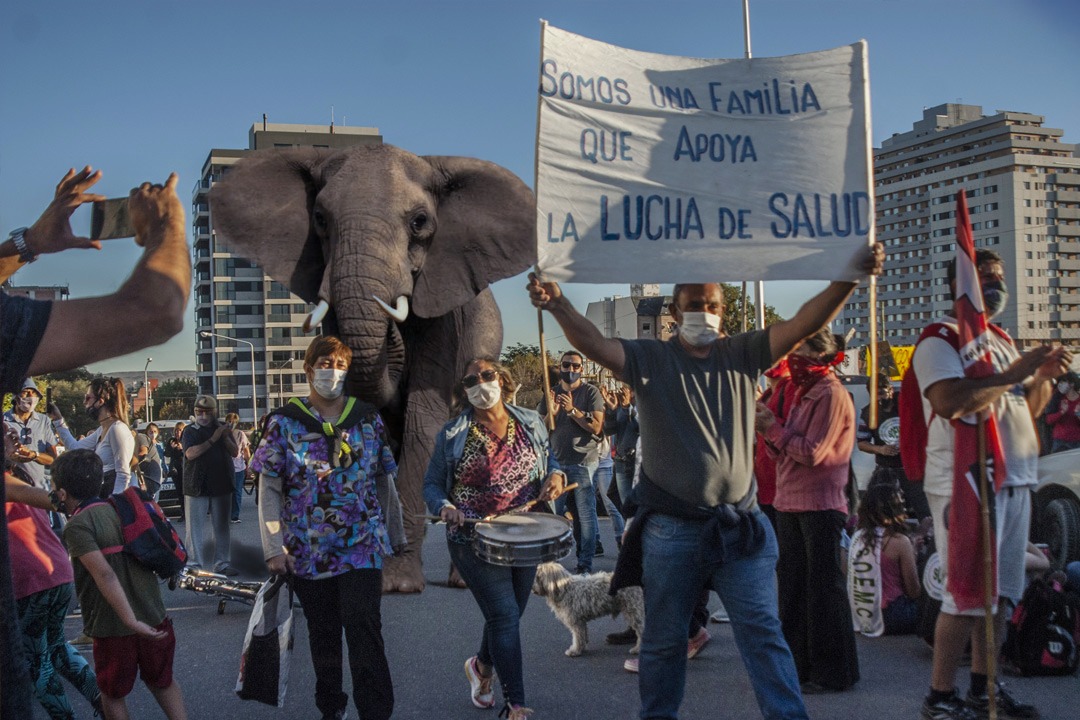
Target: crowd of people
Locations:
point(712, 486)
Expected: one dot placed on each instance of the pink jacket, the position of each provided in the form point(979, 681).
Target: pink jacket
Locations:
point(813, 450)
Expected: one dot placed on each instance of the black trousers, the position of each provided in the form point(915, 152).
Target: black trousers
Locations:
point(349, 602)
point(814, 610)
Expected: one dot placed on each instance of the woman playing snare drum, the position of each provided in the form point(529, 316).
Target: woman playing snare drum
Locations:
point(492, 457)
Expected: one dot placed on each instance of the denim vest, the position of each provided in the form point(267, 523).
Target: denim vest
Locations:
point(450, 446)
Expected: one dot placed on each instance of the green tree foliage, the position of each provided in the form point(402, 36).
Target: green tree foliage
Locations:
point(732, 322)
point(175, 399)
point(525, 365)
point(68, 389)
point(172, 410)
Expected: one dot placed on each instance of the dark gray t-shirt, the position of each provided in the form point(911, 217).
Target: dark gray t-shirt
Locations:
point(697, 416)
point(571, 443)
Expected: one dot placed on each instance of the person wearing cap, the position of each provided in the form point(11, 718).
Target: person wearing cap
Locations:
point(209, 448)
point(36, 439)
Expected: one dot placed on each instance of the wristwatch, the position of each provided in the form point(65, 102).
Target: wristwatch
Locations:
point(18, 237)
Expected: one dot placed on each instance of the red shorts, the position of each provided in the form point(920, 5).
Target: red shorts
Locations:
point(117, 661)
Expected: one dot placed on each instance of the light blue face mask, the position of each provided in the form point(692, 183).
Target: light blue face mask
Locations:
point(329, 383)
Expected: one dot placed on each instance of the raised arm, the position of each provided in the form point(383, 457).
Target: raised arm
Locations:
point(579, 331)
point(822, 308)
point(153, 299)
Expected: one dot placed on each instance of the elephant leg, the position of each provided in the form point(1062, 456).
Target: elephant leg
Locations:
point(436, 356)
point(424, 416)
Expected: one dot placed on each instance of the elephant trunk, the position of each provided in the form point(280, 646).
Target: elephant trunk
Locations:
point(366, 326)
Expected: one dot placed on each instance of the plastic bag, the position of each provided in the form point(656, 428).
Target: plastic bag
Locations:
point(264, 661)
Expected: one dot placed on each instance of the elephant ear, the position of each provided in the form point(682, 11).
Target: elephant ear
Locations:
point(486, 232)
point(262, 209)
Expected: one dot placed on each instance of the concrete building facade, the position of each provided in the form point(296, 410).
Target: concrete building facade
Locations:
point(251, 314)
point(1023, 191)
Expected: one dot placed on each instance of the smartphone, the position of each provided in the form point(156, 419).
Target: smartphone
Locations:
point(109, 219)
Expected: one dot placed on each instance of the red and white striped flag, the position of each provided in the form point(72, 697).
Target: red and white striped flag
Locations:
point(965, 562)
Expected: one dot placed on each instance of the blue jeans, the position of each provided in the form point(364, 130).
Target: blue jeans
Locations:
point(584, 510)
point(673, 580)
point(624, 479)
point(502, 594)
point(602, 480)
point(238, 493)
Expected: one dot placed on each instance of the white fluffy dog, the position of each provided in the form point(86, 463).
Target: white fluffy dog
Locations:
point(577, 599)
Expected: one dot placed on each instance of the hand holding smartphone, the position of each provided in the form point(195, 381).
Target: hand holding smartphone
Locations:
point(110, 219)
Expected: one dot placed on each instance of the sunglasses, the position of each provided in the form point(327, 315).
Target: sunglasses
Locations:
point(571, 366)
point(484, 376)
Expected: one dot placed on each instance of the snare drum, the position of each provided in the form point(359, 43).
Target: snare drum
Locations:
point(523, 540)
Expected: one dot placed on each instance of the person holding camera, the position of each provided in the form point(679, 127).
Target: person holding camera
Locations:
point(209, 447)
point(579, 418)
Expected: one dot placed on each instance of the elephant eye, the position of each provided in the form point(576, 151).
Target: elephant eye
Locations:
point(419, 223)
point(320, 220)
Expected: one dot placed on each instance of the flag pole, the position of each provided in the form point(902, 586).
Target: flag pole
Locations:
point(988, 570)
point(759, 285)
point(550, 411)
point(871, 301)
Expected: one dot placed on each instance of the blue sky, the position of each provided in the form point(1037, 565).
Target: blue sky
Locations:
point(139, 89)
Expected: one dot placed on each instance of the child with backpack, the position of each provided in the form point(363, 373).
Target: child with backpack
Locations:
point(121, 601)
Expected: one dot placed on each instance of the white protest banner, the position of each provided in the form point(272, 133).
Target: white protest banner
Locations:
point(656, 168)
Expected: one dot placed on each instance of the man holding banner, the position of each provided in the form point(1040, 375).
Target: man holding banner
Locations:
point(967, 368)
point(698, 525)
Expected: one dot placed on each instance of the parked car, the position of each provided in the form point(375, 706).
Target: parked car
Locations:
point(1055, 508)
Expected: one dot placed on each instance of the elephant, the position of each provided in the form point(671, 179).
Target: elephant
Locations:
point(398, 251)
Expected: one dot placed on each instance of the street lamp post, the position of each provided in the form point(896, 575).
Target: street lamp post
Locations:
point(146, 389)
point(254, 393)
point(279, 366)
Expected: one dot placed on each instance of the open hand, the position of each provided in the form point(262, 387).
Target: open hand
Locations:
point(52, 231)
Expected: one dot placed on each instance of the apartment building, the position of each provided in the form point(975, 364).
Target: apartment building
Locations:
point(1023, 191)
point(255, 345)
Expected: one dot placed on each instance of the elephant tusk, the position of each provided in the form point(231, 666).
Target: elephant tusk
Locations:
point(399, 312)
point(316, 316)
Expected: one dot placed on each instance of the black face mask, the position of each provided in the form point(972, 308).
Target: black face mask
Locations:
point(995, 295)
point(93, 412)
point(569, 377)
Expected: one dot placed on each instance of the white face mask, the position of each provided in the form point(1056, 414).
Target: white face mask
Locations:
point(699, 328)
point(329, 383)
point(203, 420)
point(484, 395)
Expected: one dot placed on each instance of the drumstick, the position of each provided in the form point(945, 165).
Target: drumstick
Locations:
point(493, 521)
point(526, 506)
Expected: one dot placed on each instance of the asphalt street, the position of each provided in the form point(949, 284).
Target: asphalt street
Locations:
point(428, 636)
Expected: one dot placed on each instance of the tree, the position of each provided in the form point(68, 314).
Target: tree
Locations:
point(172, 410)
point(732, 321)
point(67, 390)
point(175, 399)
point(524, 363)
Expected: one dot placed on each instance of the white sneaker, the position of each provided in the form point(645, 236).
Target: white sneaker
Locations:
point(479, 686)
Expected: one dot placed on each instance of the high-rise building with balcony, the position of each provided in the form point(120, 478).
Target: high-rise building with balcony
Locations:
point(252, 318)
point(1023, 192)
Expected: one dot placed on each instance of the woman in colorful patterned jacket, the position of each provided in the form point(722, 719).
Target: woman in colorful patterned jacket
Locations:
point(329, 514)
